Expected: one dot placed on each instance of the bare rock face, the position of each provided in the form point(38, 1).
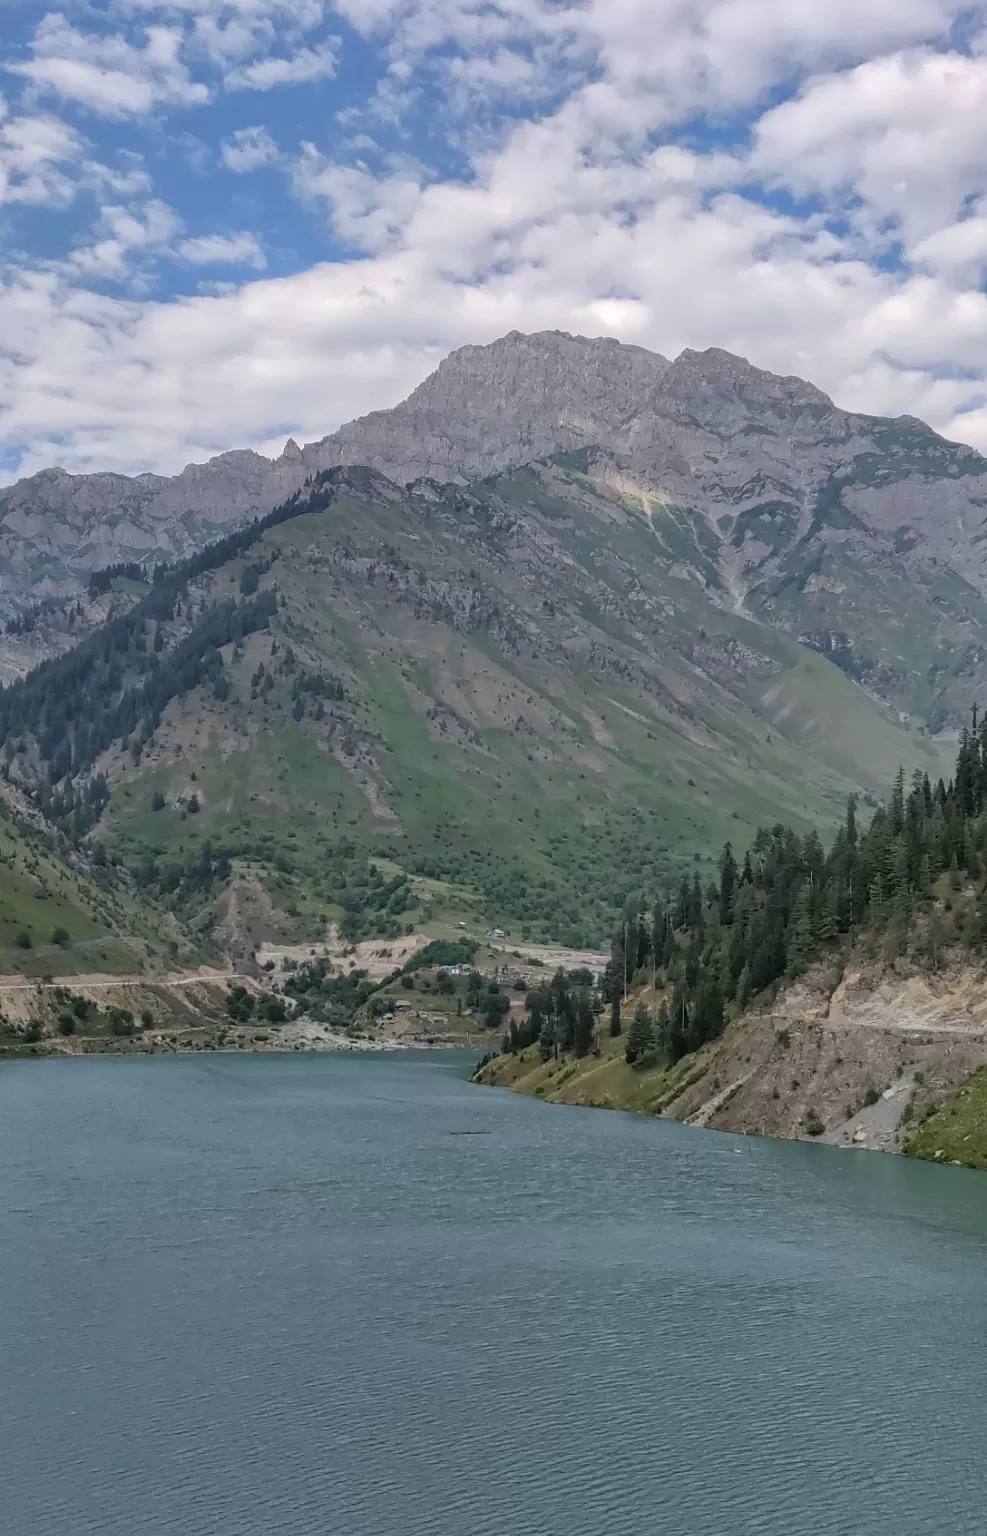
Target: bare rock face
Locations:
point(488, 408)
point(803, 509)
point(483, 409)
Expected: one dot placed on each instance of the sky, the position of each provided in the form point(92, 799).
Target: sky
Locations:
point(222, 224)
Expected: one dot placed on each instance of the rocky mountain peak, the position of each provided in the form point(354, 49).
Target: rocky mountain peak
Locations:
point(486, 408)
point(709, 432)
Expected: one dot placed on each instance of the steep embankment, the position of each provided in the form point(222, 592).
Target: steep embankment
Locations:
point(872, 1056)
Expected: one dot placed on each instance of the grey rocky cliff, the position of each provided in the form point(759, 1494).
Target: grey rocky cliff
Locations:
point(487, 408)
point(804, 505)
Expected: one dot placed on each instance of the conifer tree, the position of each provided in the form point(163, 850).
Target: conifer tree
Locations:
point(583, 1025)
point(615, 1013)
point(728, 884)
point(640, 1036)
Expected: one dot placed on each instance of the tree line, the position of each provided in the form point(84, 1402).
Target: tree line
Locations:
point(115, 685)
point(789, 901)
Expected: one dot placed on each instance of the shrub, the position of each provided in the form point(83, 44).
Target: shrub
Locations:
point(872, 1095)
point(60, 936)
point(24, 940)
point(813, 1125)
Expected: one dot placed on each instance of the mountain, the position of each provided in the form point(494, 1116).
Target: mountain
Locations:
point(862, 536)
point(483, 409)
point(514, 702)
point(64, 912)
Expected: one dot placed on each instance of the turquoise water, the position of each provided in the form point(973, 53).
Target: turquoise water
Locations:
point(281, 1295)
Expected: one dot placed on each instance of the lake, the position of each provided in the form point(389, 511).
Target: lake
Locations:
point(289, 1295)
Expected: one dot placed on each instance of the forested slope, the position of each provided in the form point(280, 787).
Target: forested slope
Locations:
point(508, 703)
point(802, 986)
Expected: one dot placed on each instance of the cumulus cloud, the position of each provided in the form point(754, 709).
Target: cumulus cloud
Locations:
point(107, 73)
point(901, 135)
point(248, 149)
point(124, 232)
point(301, 67)
point(632, 188)
point(233, 250)
point(34, 155)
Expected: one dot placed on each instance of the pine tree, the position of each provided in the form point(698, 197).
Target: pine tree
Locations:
point(728, 884)
point(898, 802)
point(828, 925)
point(696, 903)
point(583, 1026)
point(662, 1027)
point(801, 938)
point(677, 1033)
point(640, 1036)
point(615, 1013)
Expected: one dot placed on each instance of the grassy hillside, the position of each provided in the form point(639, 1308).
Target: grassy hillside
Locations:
point(515, 704)
point(954, 1129)
point(58, 918)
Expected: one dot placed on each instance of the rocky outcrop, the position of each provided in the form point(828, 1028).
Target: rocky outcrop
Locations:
point(781, 505)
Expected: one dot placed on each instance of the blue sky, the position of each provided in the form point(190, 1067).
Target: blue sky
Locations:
point(221, 224)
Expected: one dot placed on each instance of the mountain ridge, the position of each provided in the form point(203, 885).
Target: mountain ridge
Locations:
point(865, 535)
point(483, 409)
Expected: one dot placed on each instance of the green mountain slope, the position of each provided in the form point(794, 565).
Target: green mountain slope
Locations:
point(61, 915)
point(517, 702)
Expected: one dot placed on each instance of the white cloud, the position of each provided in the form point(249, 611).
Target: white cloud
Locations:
point(301, 67)
point(958, 251)
point(572, 220)
point(248, 149)
point(126, 232)
point(902, 135)
point(108, 74)
point(34, 155)
point(235, 250)
point(684, 54)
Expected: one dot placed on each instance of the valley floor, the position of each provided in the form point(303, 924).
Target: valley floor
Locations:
point(187, 1011)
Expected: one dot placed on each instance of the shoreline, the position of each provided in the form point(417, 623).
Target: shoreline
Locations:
point(335, 1044)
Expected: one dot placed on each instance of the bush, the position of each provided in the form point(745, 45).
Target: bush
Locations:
point(24, 940)
point(157, 801)
point(813, 1125)
point(872, 1095)
point(66, 1023)
point(60, 936)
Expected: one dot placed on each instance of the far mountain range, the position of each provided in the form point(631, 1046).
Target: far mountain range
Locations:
point(865, 537)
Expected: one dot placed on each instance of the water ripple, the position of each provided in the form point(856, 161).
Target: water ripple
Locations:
point(283, 1300)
